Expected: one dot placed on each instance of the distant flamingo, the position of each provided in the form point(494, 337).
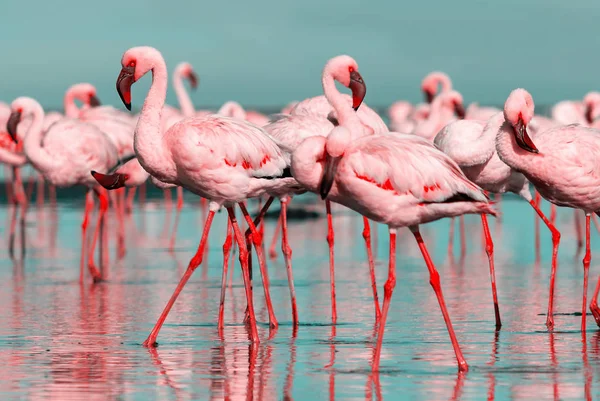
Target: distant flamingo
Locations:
point(472, 145)
point(70, 149)
point(445, 108)
point(435, 83)
point(561, 164)
point(224, 160)
point(397, 179)
point(399, 112)
point(476, 112)
point(290, 131)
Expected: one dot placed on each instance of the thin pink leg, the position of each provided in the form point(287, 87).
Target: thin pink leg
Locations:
point(130, 199)
point(489, 248)
point(586, 270)
point(388, 289)
point(40, 191)
point(52, 195)
point(463, 236)
point(537, 200)
point(226, 249)
point(177, 215)
point(245, 274)
point(194, 263)
point(256, 239)
point(120, 212)
point(142, 197)
point(578, 229)
point(103, 198)
point(594, 304)
point(21, 201)
point(89, 204)
point(287, 255)
point(330, 241)
point(434, 280)
point(272, 248)
point(367, 237)
point(451, 237)
point(555, 243)
point(553, 213)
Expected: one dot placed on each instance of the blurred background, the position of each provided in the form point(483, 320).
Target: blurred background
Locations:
point(266, 53)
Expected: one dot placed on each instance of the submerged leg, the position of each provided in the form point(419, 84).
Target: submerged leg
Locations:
point(330, 241)
point(194, 263)
point(434, 280)
point(489, 248)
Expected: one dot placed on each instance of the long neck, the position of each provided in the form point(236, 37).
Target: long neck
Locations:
point(32, 144)
point(185, 103)
point(508, 149)
point(345, 113)
point(446, 83)
point(71, 109)
point(147, 141)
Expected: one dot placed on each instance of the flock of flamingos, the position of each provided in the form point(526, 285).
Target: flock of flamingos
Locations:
point(435, 160)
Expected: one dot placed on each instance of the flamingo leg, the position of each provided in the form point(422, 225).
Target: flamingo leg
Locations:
point(555, 243)
point(463, 236)
point(120, 211)
point(330, 241)
point(272, 251)
point(20, 202)
point(586, 270)
point(226, 249)
point(553, 213)
point(388, 289)
point(246, 275)
point(451, 237)
point(177, 215)
point(489, 249)
point(256, 240)
point(40, 191)
point(287, 255)
point(594, 304)
point(537, 201)
point(194, 263)
point(130, 199)
point(103, 198)
point(434, 280)
point(142, 197)
point(89, 204)
point(578, 230)
point(367, 237)
point(52, 195)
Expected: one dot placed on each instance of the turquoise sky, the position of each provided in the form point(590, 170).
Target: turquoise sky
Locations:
point(266, 53)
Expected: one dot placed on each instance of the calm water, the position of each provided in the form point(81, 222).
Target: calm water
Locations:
point(62, 340)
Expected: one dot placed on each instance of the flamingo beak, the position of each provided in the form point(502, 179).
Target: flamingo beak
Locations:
point(588, 114)
point(94, 101)
point(193, 79)
point(331, 165)
point(124, 82)
point(11, 125)
point(523, 139)
point(110, 181)
point(359, 89)
point(459, 109)
point(428, 96)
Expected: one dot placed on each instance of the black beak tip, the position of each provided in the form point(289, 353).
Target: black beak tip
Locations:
point(355, 108)
point(128, 106)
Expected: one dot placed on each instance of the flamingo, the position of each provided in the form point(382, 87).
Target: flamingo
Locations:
point(400, 180)
point(561, 164)
point(309, 119)
point(444, 109)
point(224, 160)
point(435, 83)
point(69, 151)
point(399, 114)
point(472, 145)
point(476, 112)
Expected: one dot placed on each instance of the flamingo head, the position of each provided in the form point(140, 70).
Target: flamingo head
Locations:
point(344, 69)
point(110, 181)
point(453, 100)
point(186, 70)
point(518, 112)
point(591, 101)
point(85, 93)
point(20, 108)
point(429, 85)
point(136, 62)
point(335, 147)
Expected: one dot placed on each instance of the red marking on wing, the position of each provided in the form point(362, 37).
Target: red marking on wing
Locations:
point(246, 165)
point(230, 163)
point(387, 186)
point(265, 160)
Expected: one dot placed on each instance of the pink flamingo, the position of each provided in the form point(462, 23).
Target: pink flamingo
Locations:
point(444, 109)
point(224, 160)
point(435, 83)
point(69, 151)
point(472, 145)
point(310, 120)
point(476, 112)
point(399, 180)
point(561, 164)
point(400, 113)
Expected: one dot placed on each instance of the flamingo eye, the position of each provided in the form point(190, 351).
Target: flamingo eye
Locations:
point(131, 63)
point(351, 69)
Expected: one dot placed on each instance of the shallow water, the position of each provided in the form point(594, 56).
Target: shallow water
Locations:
point(62, 340)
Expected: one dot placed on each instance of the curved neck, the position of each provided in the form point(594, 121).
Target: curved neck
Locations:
point(147, 139)
point(185, 103)
point(32, 144)
point(508, 149)
point(344, 111)
point(71, 109)
point(446, 83)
